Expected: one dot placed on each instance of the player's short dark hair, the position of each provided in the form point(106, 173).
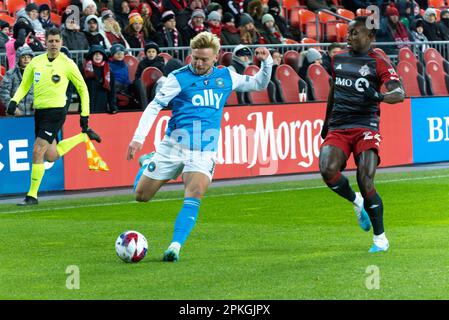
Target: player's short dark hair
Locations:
point(363, 20)
point(53, 32)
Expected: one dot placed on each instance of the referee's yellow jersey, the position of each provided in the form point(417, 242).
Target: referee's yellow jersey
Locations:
point(50, 81)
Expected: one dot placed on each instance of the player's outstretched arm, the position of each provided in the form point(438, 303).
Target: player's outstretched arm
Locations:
point(260, 81)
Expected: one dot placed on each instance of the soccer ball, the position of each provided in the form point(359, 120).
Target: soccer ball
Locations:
point(131, 246)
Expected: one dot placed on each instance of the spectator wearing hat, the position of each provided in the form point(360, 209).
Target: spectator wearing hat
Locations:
point(236, 8)
point(72, 37)
point(12, 80)
point(4, 37)
point(134, 31)
point(44, 16)
point(242, 56)
point(392, 30)
point(100, 81)
point(28, 29)
point(194, 26)
point(149, 33)
point(120, 71)
point(274, 9)
point(307, 58)
point(248, 32)
point(183, 17)
point(418, 34)
point(214, 23)
point(169, 36)
point(432, 29)
point(230, 34)
point(444, 21)
point(89, 7)
point(151, 59)
point(122, 15)
point(215, 6)
point(94, 34)
point(270, 32)
point(255, 10)
point(112, 29)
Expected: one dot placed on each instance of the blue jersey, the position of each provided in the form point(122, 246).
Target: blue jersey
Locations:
point(197, 102)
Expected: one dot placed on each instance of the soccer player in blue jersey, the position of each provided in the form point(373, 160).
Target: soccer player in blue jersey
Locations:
point(197, 94)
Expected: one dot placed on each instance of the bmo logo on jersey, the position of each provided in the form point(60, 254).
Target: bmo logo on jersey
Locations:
point(359, 83)
point(207, 99)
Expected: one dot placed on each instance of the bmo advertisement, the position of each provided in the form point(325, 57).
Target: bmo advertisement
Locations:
point(256, 140)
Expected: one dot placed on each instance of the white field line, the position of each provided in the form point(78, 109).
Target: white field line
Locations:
point(217, 195)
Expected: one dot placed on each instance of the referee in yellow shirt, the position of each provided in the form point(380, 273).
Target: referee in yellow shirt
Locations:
point(50, 74)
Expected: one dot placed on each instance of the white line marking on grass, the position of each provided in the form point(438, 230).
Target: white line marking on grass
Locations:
point(217, 195)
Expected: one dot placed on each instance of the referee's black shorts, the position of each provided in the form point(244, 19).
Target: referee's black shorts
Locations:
point(48, 122)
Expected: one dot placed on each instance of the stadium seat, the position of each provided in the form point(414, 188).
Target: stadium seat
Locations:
point(438, 79)
point(414, 84)
point(291, 57)
point(289, 4)
point(41, 2)
point(166, 56)
point(319, 82)
point(232, 100)
point(12, 6)
point(61, 5)
point(260, 97)
point(363, 12)
point(307, 24)
point(309, 40)
point(288, 80)
point(380, 51)
point(132, 64)
point(436, 3)
point(328, 26)
point(226, 59)
point(188, 59)
point(405, 54)
point(56, 18)
point(342, 32)
point(7, 18)
point(294, 17)
point(146, 83)
point(433, 54)
point(346, 13)
point(438, 12)
point(141, 55)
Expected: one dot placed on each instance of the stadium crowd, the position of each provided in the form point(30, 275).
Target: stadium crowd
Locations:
point(123, 38)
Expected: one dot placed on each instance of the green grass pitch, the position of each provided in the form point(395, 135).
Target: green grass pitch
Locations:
point(292, 240)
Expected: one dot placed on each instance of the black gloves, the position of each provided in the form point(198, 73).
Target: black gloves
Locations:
point(372, 95)
point(84, 123)
point(12, 108)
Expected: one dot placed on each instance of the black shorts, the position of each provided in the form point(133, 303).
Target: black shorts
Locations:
point(48, 122)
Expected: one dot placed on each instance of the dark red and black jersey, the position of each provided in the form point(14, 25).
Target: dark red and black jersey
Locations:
point(350, 71)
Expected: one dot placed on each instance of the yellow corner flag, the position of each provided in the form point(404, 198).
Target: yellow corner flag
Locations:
point(94, 161)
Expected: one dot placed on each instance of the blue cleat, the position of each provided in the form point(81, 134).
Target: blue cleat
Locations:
point(374, 248)
point(171, 255)
point(362, 216)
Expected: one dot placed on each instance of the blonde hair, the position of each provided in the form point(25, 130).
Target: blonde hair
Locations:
point(205, 40)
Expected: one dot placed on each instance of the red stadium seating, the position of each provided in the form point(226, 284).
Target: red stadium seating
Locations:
point(307, 24)
point(289, 4)
point(413, 82)
point(438, 79)
point(40, 2)
point(346, 13)
point(342, 32)
point(436, 3)
point(380, 51)
point(319, 79)
point(226, 59)
point(14, 5)
point(263, 96)
point(188, 59)
point(294, 17)
point(363, 12)
point(328, 26)
point(56, 18)
point(61, 5)
point(291, 57)
point(7, 18)
point(132, 63)
point(232, 100)
point(166, 56)
point(405, 54)
point(2, 71)
point(433, 54)
point(146, 83)
point(288, 79)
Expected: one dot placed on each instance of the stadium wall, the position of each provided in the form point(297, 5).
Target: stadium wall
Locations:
point(281, 139)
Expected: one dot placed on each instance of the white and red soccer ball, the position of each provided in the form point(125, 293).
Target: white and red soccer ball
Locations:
point(131, 246)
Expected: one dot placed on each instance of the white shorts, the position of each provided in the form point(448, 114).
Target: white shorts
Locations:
point(171, 159)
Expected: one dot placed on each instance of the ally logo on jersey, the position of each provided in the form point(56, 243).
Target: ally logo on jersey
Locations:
point(208, 98)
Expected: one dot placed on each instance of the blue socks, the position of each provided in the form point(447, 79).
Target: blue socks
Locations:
point(139, 174)
point(186, 220)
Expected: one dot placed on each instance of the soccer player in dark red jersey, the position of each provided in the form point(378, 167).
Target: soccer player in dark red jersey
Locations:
point(352, 124)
